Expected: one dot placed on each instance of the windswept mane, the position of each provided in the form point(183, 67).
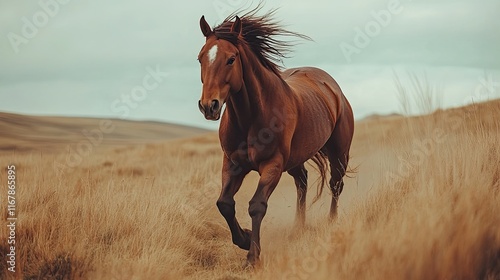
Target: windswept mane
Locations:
point(260, 34)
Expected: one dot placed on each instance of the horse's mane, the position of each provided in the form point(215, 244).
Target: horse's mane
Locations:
point(260, 34)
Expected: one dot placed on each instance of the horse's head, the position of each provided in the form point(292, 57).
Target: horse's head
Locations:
point(221, 70)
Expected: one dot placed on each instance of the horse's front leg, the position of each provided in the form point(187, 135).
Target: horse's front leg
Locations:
point(232, 178)
point(270, 174)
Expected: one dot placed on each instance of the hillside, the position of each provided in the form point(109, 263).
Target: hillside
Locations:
point(21, 132)
point(423, 204)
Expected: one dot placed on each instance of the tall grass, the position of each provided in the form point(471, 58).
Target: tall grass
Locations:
point(118, 216)
point(421, 97)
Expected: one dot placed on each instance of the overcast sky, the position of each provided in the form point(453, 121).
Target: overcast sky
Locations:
point(92, 58)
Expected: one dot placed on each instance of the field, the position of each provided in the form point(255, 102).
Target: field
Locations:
point(423, 204)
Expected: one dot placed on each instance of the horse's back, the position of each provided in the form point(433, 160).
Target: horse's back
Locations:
point(313, 85)
point(292, 74)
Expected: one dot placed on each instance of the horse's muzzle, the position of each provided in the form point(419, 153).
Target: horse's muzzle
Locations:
point(212, 110)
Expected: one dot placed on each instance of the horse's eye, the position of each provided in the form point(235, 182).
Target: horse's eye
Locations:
point(230, 61)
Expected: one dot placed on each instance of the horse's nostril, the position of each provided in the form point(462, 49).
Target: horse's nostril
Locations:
point(200, 106)
point(214, 106)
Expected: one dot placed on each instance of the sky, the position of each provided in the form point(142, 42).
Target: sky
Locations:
point(136, 60)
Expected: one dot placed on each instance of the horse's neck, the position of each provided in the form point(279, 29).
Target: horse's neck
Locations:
point(259, 81)
point(240, 109)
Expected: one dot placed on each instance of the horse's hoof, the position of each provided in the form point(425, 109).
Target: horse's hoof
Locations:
point(251, 264)
point(247, 266)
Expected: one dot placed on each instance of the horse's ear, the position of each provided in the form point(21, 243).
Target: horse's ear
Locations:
point(236, 27)
point(205, 28)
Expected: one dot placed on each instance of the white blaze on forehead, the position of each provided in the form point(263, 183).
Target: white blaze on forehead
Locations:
point(212, 54)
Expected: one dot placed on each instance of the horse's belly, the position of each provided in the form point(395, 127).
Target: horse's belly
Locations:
point(317, 115)
point(309, 138)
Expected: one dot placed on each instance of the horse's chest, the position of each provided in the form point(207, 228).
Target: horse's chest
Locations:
point(254, 150)
point(258, 153)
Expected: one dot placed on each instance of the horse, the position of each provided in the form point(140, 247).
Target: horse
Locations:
point(274, 120)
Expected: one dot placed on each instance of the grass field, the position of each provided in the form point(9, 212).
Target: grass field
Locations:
point(424, 204)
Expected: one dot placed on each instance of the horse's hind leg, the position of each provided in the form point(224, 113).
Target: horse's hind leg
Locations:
point(337, 150)
point(336, 187)
point(337, 167)
point(299, 174)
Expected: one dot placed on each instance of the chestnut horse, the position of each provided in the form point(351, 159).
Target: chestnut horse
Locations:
point(274, 120)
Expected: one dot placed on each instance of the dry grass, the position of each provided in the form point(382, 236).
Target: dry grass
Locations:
point(430, 210)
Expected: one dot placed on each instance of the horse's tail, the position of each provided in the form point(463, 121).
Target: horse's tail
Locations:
point(320, 160)
point(322, 166)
